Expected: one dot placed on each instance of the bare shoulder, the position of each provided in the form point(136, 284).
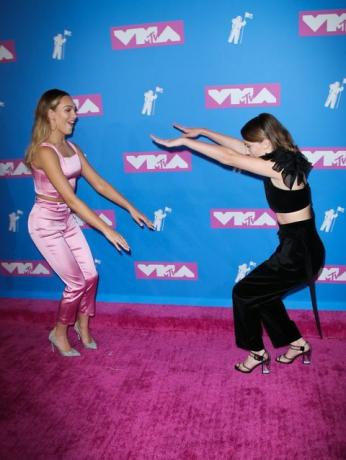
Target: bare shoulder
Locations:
point(44, 155)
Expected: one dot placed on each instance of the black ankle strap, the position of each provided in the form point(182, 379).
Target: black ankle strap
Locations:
point(256, 356)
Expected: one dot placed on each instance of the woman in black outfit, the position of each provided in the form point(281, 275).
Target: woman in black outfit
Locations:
point(268, 150)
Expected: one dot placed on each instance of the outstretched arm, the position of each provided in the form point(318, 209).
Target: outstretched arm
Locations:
point(47, 160)
point(223, 155)
point(226, 141)
point(105, 189)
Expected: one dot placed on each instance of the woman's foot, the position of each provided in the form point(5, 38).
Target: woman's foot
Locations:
point(58, 339)
point(255, 359)
point(297, 348)
point(82, 331)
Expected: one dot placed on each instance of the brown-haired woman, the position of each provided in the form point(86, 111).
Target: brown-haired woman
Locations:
point(268, 150)
point(56, 163)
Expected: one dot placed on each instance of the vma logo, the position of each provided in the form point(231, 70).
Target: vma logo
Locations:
point(7, 51)
point(242, 218)
point(333, 274)
point(257, 95)
point(13, 168)
point(144, 35)
point(326, 157)
point(324, 22)
point(107, 215)
point(88, 105)
point(36, 268)
point(166, 271)
point(157, 162)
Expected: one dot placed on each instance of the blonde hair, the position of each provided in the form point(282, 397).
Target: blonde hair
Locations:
point(41, 128)
point(266, 126)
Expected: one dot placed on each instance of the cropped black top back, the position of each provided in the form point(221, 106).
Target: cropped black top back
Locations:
point(293, 166)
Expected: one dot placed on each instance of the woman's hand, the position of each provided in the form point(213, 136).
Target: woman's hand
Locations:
point(116, 239)
point(141, 219)
point(189, 132)
point(169, 143)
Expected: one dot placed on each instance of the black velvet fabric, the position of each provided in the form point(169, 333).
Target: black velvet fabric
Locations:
point(257, 298)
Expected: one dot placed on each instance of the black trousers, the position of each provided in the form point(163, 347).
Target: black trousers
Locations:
point(257, 298)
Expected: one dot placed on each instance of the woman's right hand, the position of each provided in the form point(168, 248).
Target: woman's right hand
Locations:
point(116, 239)
point(189, 132)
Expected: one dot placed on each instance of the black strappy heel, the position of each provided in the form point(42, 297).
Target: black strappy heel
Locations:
point(305, 354)
point(264, 361)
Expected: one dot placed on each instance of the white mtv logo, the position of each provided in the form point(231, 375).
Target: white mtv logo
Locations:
point(8, 168)
point(166, 271)
point(328, 157)
point(334, 21)
point(157, 161)
point(332, 274)
point(244, 218)
point(88, 106)
point(147, 35)
point(5, 53)
point(24, 268)
point(241, 96)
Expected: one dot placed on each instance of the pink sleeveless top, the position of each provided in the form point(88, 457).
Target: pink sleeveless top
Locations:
point(71, 167)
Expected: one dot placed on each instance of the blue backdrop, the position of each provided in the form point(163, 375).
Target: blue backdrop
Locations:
point(134, 68)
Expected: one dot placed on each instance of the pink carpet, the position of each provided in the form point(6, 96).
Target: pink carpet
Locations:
point(162, 387)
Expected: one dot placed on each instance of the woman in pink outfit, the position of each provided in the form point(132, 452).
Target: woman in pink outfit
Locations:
point(56, 163)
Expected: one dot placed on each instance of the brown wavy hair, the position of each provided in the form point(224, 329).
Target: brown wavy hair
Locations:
point(41, 128)
point(266, 126)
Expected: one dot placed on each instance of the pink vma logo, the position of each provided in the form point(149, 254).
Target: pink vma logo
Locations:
point(166, 270)
point(257, 95)
point(326, 157)
point(323, 22)
point(88, 105)
point(7, 51)
point(242, 218)
point(157, 162)
point(144, 35)
point(333, 274)
point(36, 268)
point(107, 215)
point(13, 168)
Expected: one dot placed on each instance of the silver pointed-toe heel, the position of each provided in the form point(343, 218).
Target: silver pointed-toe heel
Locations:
point(90, 345)
point(69, 354)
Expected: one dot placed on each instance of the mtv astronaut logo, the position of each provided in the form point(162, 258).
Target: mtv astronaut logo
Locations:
point(237, 28)
point(13, 218)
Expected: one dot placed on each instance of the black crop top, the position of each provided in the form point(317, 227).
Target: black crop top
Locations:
point(293, 166)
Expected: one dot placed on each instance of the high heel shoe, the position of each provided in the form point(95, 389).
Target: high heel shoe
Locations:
point(91, 345)
point(53, 341)
point(305, 353)
point(264, 361)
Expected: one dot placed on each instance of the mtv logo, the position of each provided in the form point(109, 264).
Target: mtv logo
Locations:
point(88, 105)
point(251, 95)
point(166, 270)
point(107, 215)
point(326, 157)
point(146, 35)
point(333, 274)
point(13, 168)
point(323, 22)
point(157, 162)
point(37, 268)
point(7, 51)
point(243, 218)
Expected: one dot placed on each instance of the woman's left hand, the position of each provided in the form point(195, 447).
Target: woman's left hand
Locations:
point(169, 143)
point(141, 219)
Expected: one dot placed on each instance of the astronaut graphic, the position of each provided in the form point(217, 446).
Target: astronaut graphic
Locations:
point(329, 219)
point(333, 98)
point(59, 41)
point(13, 218)
point(150, 97)
point(237, 27)
point(244, 269)
point(159, 218)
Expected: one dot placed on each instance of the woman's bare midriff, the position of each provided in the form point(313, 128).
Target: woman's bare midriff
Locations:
point(50, 198)
point(290, 217)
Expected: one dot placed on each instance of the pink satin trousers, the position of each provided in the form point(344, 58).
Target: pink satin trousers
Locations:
point(60, 240)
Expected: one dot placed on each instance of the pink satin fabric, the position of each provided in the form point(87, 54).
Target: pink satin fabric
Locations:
point(60, 240)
